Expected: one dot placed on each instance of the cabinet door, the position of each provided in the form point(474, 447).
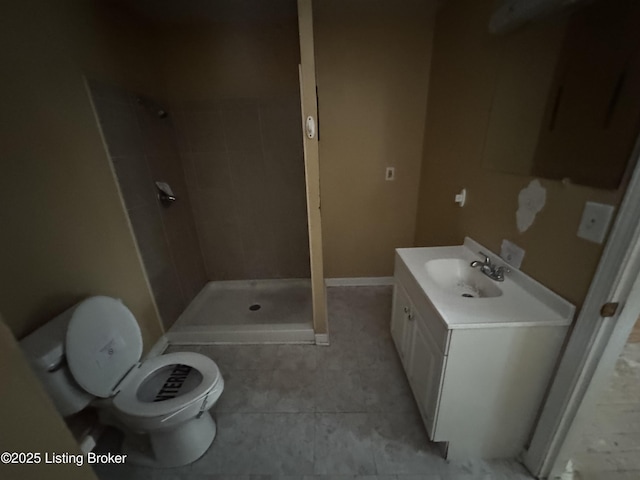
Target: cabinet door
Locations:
point(425, 372)
point(400, 323)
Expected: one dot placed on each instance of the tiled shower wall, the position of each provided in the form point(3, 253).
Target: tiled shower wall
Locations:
point(244, 165)
point(143, 149)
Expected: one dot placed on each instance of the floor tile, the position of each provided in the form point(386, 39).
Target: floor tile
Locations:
point(340, 391)
point(341, 354)
point(295, 357)
point(293, 391)
point(276, 477)
point(608, 475)
point(352, 477)
point(287, 445)
point(343, 444)
point(400, 446)
point(248, 391)
point(122, 472)
point(255, 357)
point(233, 450)
point(506, 469)
point(185, 473)
point(374, 352)
point(223, 355)
point(428, 476)
point(183, 348)
point(386, 391)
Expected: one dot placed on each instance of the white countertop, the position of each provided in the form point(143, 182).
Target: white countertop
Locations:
point(524, 302)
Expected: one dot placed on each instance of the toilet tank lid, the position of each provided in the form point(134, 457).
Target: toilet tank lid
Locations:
point(44, 348)
point(103, 342)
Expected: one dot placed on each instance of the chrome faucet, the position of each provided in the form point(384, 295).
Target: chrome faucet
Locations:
point(489, 269)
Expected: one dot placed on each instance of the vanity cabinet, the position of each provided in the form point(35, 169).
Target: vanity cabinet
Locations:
point(402, 324)
point(426, 368)
point(420, 355)
point(478, 387)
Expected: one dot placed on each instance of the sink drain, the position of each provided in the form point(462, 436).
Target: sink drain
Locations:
point(467, 295)
point(255, 307)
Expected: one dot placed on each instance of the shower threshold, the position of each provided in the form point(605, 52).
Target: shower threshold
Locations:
point(247, 311)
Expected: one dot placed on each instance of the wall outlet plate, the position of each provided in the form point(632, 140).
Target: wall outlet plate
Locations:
point(511, 253)
point(596, 218)
point(390, 174)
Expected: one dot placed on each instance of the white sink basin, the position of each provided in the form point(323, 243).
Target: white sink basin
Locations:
point(455, 276)
point(466, 298)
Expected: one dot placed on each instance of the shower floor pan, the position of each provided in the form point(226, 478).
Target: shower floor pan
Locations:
point(247, 311)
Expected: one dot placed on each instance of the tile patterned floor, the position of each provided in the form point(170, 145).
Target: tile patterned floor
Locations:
point(343, 412)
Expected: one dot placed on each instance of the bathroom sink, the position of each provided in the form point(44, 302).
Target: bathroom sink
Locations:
point(464, 297)
point(456, 277)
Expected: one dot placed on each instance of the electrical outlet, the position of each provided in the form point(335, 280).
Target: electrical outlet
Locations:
point(511, 253)
point(596, 218)
point(390, 174)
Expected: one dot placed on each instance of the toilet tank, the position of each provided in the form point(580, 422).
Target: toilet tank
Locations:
point(45, 351)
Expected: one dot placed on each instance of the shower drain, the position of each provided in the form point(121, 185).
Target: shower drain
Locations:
point(255, 306)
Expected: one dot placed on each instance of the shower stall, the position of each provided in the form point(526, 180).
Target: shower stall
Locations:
point(212, 175)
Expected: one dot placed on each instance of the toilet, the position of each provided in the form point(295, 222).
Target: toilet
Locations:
point(90, 355)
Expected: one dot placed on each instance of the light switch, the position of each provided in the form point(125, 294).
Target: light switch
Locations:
point(596, 218)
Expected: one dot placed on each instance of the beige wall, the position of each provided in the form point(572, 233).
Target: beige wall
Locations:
point(372, 67)
point(65, 234)
point(464, 75)
point(230, 60)
point(32, 420)
point(113, 44)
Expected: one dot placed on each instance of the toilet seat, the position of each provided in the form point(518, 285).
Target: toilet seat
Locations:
point(102, 343)
point(103, 349)
point(127, 399)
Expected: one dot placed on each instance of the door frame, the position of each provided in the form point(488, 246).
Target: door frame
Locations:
point(309, 108)
point(596, 341)
point(601, 378)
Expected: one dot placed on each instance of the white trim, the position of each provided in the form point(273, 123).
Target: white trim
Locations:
point(158, 348)
point(322, 339)
point(358, 281)
point(617, 270)
point(600, 380)
point(242, 334)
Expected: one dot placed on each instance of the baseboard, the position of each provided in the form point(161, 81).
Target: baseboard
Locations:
point(358, 281)
point(159, 347)
point(322, 339)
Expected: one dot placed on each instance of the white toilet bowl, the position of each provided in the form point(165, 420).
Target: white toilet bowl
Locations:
point(177, 421)
point(138, 399)
point(161, 404)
